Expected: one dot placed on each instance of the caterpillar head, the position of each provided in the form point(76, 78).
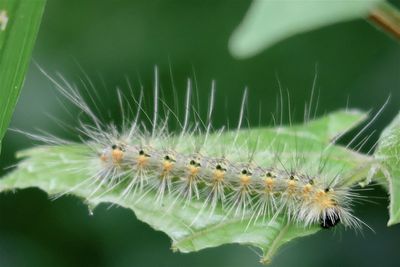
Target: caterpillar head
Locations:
point(329, 219)
point(331, 212)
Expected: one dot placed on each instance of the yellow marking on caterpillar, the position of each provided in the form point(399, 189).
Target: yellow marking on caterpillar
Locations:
point(324, 199)
point(193, 170)
point(307, 189)
point(245, 179)
point(218, 175)
point(142, 160)
point(269, 183)
point(167, 166)
point(291, 186)
point(117, 155)
point(291, 183)
point(103, 158)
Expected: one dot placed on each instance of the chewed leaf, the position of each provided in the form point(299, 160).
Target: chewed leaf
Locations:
point(268, 22)
point(59, 169)
point(388, 154)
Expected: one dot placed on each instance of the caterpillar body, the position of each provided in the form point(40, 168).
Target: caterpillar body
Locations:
point(272, 176)
point(239, 186)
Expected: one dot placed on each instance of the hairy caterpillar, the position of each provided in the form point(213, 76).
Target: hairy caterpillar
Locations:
point(234, 175)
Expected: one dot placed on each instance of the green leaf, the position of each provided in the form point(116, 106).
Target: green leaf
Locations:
point(19, 24)
point(388, 155)
point(268, 21)
point(330, 126)
point(58, 169)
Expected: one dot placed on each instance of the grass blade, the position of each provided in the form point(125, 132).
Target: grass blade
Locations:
point(19, 24)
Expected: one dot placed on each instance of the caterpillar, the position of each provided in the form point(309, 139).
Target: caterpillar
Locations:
point(245, 178)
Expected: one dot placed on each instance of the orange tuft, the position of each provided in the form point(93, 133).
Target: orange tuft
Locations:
point(324, 199)
point(219, 175)
point(307, 188)
point(193, 170)
point(167, 166)
point(291, 186)
point(117, 155)
point(142, 160)
point(103, 157)
point(269, 183)
point(245, 179)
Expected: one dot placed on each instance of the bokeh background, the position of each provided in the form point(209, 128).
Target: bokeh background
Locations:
point(358, 66)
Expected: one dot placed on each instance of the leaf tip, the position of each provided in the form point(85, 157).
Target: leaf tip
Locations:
point(239, 47)
point(392, 222)
point(265, 260)
point(174, 248)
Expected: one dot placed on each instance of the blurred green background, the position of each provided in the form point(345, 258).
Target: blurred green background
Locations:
point(358, 66)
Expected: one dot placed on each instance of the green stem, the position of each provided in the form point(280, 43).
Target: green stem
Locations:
point(387, 18)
